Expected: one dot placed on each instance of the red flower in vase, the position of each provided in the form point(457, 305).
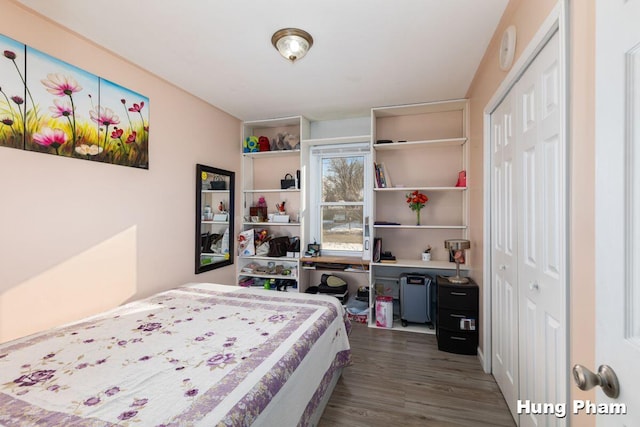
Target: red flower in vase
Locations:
point(416, 200)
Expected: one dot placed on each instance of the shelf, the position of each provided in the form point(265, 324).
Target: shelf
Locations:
point(422, 108)
point(290, 224)
point(210, 255)
point(346, 260)
point(414, 263)
point(411, 327)
point(273, 123)
point(215, 222)
point(275, 153)
point(449, 142)
point(337, 140)
point(273, 190)
point(443, 227)
point(267, 276)
point(269, 258)
point(408, 188)
point(215, 191)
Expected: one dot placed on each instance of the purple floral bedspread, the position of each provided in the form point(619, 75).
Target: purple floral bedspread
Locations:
point(201, 354)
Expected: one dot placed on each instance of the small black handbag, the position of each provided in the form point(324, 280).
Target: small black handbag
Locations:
point(287, 182)
point(278, 246)
point(218, 183)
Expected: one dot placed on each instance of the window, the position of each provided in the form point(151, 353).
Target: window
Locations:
point(339, 209)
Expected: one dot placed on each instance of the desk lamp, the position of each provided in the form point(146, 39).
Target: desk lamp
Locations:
point(455, 245)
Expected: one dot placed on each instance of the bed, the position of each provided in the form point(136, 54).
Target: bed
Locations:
point(198, 355)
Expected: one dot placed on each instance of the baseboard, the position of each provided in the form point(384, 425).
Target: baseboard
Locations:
point(482, 361)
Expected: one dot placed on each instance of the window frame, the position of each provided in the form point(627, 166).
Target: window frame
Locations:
point(317, 155)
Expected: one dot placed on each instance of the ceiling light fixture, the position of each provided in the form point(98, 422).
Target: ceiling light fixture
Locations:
point(292, 43)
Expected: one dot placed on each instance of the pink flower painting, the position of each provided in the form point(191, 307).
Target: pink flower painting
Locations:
point(50, 138)
point(60, 109)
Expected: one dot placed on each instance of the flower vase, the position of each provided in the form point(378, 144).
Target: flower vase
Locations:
point(417, 216)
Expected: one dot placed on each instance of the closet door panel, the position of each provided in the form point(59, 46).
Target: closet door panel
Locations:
point(541, 251)
point(551, 209)
point(528, 192)
point(504, 291)
point(529, 205)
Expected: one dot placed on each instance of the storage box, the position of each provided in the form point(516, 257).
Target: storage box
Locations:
point(220, 217)
point(358, 318)
point(280, 218)
point(384, 311)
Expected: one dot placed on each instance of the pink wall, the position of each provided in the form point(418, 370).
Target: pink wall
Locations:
point(527, 16)
point(79, 237)
point(582, 216)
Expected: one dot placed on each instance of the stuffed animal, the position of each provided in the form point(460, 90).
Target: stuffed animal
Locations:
point(263, 143)
point(250, 144)
point(285, 141)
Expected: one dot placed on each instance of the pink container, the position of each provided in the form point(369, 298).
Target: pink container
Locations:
point(384, 311)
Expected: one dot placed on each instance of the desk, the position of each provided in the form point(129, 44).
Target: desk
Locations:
point(351, 264)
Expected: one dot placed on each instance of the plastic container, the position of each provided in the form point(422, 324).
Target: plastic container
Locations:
point(384, 311)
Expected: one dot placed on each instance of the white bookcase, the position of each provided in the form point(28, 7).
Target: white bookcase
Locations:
point(260, 177)
point(428, 150)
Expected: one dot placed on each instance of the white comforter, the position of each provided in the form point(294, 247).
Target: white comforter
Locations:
point(202, 354)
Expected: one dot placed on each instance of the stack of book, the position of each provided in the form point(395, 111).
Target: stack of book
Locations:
point(379, 255)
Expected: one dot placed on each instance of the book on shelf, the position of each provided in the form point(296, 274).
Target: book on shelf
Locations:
point(387, 177)
point(377, 248)
point(386, 223)
point(383, 179)
point(387, 257)
point(376, 180)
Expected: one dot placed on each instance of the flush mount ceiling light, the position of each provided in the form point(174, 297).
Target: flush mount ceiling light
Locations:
point(292, 43)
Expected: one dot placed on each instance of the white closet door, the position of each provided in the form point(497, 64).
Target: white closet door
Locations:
point(541, 240)
point(504, 261)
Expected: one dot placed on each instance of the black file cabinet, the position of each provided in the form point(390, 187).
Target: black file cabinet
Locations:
point(457, 316)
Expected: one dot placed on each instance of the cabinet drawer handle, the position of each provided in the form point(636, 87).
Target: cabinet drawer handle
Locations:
point(458, 338)
point(462, 294)
point(460, 316)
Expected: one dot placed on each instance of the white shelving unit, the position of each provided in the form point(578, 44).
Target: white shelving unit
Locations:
point(261, 175)
point(429, 137)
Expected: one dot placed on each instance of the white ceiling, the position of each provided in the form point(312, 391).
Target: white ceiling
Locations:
point(366, 53)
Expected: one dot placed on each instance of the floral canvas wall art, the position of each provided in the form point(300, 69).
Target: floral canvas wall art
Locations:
point(12, 93)
point(50, 106)
point(124, 119)
point(63, 96)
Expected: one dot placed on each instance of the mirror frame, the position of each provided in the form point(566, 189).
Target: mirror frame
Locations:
point(199, 268)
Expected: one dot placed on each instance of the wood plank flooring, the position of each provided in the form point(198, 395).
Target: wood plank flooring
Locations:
point(402, 379)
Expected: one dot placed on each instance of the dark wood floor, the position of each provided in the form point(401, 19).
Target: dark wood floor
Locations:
point(401, 379)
